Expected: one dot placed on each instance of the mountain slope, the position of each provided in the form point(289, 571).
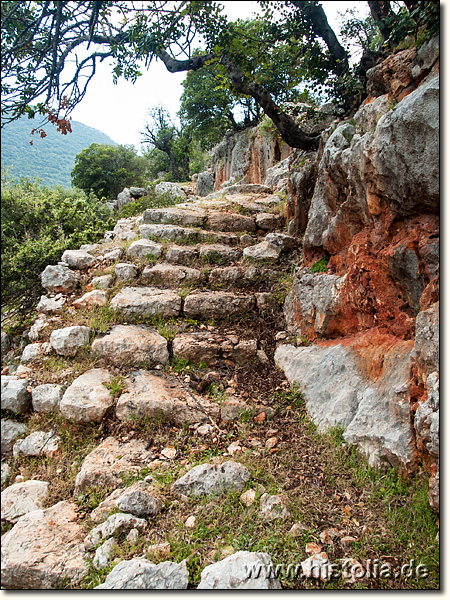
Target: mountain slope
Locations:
point(50, 159)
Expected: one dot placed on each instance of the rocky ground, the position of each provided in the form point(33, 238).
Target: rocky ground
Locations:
point(155, 438)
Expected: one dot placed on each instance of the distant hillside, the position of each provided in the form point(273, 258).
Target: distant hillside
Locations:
point(52, 158)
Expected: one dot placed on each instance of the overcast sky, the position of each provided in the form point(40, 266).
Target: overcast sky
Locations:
point(121, 110)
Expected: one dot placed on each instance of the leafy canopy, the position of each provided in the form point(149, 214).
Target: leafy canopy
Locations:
point(106, 170)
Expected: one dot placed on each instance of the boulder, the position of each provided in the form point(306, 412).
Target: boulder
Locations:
point(146, 302)
point(241, 571)
point(88, 398)
point(11, 431)
point(277, 176)
point(151, 394)
point(113, 255)
point(31, 353)
point(105, 464)
point(139, 503)
point(123, 198)
point(37, 328)
point(151, 504)
point(208, 305)
point(59, 278)
point(361, 387)
point(131, 345)
point(46, 398)
point(69, 340)
point(144, 249)
point(22, 498)
point(38, 443)
point(78, 259)
point(269, 221)
point(141, 574)
point(262, 252)
point(5, 342)
point(14, 394)
point(44, 550)
point(172, 190)
point(210, 480)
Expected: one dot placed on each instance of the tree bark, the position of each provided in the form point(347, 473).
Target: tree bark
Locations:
point(379, 11)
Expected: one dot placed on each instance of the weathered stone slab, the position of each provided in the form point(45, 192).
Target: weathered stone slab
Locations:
point(269, 221)
point(124, 271)
point(262, 251)
point(103, 282)
point(22, 498)
point(141, 574)
point(241, 571)
point(51, 305)
point(144, 249)
point(88, 398)
point(209, 480)
point(44, 550)
point(31, 353)
point(153, 395)
point(174, 216)
point(58, 278)
point(167, 232)
point(69, 340)
point(78, 259)
point(172, 275)
point(14, 394)
point(151, 505)
point(106, 463)
point(147, 302)
point(208, 305)
point(116, 523)
point(208, 347)
point(219, 237)
point(131, 345)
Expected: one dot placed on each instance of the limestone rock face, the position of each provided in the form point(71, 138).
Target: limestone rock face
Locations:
point(427, 340)
point(141, 574)
point(131, 345)
point(78, 259)
point(11, 431)
point(241, 571)
point(22, 498)
point(153, 395)
point(87, 399)
point(147, 302)
point(104, 465)
point(209, 480)
point(59, 278)
point(371, 404)
point(69, 340)
point(44, 549)
point(14, 393)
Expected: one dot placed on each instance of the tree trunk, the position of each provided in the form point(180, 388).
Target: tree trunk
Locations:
point(380, 10)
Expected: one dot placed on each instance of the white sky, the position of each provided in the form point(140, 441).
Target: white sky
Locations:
point(121, 110)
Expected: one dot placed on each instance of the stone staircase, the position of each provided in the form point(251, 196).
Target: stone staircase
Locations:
point(195, 286)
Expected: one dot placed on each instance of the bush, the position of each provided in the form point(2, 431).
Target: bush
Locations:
point(37, 225)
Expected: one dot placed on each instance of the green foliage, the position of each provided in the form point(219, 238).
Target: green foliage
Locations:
point(38, 224)
point(106, 170)
point(321, 266)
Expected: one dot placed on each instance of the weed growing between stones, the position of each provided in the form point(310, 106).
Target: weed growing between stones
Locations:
point(320, 266)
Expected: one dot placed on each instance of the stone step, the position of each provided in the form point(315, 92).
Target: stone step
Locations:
point(172, 275)
point(213, 348)
point(138, 302)
point(185, 234)
point(228, 221)
point(219, 254)
point(208, 305)
point(175, 216)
